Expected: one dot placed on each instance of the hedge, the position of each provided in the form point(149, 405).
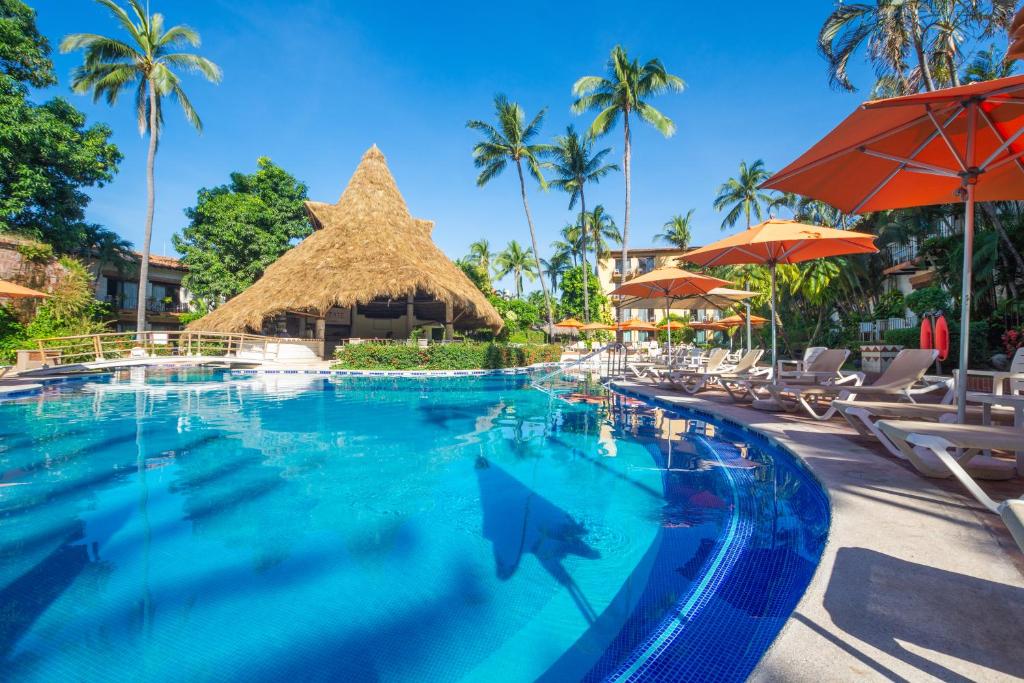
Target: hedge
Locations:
point(980, 351)
point(456, 356)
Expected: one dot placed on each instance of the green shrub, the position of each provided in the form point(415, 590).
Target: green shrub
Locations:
point(36, 252)
point(890, 305)
point(456, 356)
point(928, 300)
point(908, 338)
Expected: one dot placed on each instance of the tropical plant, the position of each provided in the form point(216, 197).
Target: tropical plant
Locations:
point(602, 231)
point(480, 253)
point(49, 153)
point(624, 90)
point(104, 247)
point(742, 196)
point(678, 230)
point(148, 63)
point(576, 164)
point(912, 44)
point(556, 266)
point(572, 295)
point(519, 263)
point(510, 141)
point(237, 230)
point(478, 275)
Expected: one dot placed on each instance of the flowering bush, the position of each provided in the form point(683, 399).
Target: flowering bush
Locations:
point(1013, 340)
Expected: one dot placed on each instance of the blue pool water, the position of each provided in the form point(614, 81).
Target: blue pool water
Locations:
point(206, 526)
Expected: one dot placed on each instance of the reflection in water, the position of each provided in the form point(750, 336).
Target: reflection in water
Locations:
point(519, 522)
point(172, 524)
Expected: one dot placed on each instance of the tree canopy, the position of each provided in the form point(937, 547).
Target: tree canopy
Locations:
point(237, 230)
point(47, 152)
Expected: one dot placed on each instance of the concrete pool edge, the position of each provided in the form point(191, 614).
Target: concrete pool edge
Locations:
point(879, 602)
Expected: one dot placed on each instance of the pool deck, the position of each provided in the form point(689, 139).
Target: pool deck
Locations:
point(917, 581)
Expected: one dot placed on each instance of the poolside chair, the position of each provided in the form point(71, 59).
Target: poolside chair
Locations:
point(864, 416)
point(924, 443)
point(900, 380)
point(824, 367)
point(930, 444)
point(796, 366)
point(745, 368)
point(712, 362)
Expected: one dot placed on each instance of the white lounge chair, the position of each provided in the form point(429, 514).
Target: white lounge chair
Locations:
point(924, 443)
point(824, 368)
point(714, 361)
point(901, 380)
point(864, 417)
point(745, 368)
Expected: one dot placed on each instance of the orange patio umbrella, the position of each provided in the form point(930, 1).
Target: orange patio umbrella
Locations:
point(778, 241)
point(949, 145)
point(669, 283)
point(637, 325)
point(589, 327)
point(569, 322)
point(741, 319)
point(9, 290)
point(672, 324)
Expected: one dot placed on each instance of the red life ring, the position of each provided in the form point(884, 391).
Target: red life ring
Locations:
point(926, 333)
point(942, 337)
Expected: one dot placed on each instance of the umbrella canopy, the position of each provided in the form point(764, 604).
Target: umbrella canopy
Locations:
point(668, 282)
point(637, 325)
point(778, 241)
point(9, 290)
point(710, 325)
point(955, 144)
point(589, 327)
point(569, 322)
point(741, 319)
point(717, 298)
point(672, 324)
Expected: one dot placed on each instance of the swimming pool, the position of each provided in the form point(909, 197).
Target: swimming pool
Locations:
point(201, 525)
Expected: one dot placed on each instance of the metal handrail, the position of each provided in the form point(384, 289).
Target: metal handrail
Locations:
point(578, 361)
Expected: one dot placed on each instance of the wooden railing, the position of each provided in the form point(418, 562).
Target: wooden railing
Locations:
point(149, 344)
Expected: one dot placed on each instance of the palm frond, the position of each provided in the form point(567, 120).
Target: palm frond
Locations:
point(194, 64)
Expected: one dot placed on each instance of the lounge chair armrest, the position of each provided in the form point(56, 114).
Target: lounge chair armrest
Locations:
point(854, 378)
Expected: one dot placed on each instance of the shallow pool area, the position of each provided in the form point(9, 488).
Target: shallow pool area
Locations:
point(199, 524)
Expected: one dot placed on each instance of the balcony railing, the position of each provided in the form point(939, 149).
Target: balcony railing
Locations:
point(153, 305)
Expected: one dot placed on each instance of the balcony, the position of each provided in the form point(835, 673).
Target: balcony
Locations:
point(128, 304)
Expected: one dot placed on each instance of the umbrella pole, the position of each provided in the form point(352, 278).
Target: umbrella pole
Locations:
point(668, 331)
point(775, 360)
point(965, 306)
point(750, 345)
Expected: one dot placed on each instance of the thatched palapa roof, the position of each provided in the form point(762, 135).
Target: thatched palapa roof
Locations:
point(364, 247)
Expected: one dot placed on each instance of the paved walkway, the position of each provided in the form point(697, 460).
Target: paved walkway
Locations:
point(917, 582)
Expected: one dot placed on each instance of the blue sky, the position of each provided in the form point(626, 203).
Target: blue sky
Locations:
point(313, 83)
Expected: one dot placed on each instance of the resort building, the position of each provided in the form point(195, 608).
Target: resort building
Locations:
point(370, 270)
point(642, 260)
point(166, 296)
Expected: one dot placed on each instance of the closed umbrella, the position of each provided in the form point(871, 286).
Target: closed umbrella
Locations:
point(777, 241)
point(955, 144)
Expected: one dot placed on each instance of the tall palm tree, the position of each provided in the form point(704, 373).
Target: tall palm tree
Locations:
point(480, 254)
point(602, 231)
point(147, 62)
point(678, 230)
point(556, 267)
point(575, 165)
point(741, 196)
point(520, 263)
point(623, 91)
point(510, 141)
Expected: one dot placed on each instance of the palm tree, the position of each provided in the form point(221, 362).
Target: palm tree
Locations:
point(510, 141)
point(741, 196)
point(147, 63)
point(575, 166)
point(601, 230)
point(617, 95)
point(480, 254)
point(519, 262)
point(678, 230)
point(556, 267)
point(102, 247)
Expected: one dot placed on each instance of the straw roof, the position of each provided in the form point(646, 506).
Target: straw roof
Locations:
point(365, 247)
